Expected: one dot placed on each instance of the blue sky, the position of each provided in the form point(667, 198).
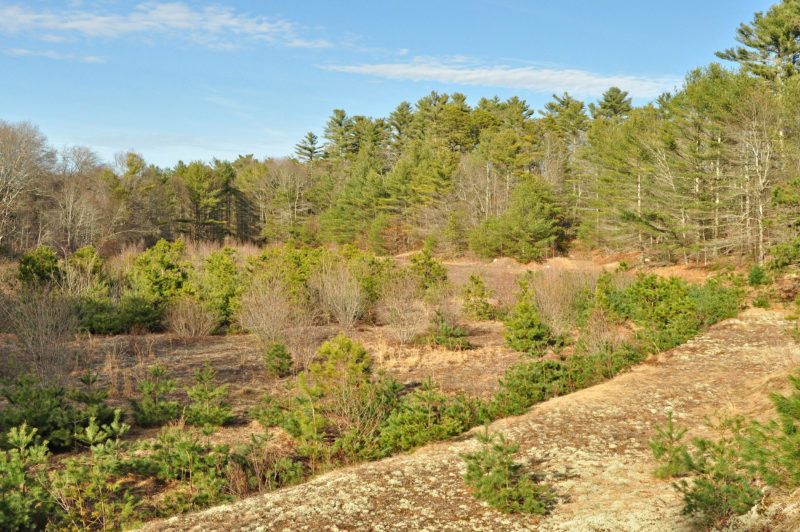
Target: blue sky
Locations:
point(196, 80)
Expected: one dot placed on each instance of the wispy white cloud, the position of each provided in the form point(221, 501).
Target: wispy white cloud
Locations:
point(458, 71)
point(51, 54)
point(215, 26)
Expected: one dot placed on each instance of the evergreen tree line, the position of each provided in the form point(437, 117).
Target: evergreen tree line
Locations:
point(709, 170)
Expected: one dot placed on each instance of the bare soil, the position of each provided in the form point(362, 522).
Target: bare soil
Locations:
point(590, 446)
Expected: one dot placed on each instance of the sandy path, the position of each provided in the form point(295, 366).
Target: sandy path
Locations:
point(591, 446)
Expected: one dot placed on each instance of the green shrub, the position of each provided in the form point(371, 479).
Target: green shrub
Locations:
point(528, 383)
point(337, 406)
point(525, 330)
point(427, 269)
point(24, 501)
point(446, 335)
point(47, 409)
point(161, 271)
point(668, 450)
point(269, 412)
point(715, 301)
point(664, 309)
point(278, 360)
point(773, 448)
point(762, 300)
point(757, 276)
point(43, 407)
point(218, 284)
point(476, 299)
point(720, 484)
point(153, 408)
point(785, 254)
point(130, 314)
point(292, 266)
point(718, 480)
point(427, 415)
point(208, 405)
point(497, 479)
point(533, 226)
point(93, 398)
point(179, 455)
point(39, 267)
point(88, 490)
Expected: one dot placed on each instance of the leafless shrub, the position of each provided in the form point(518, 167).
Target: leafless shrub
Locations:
point(44, 323)
point(504, 290)
point(267, 312)
point(79, 279)
point(299, 336)
point(188, 318)
point(556, 291)
point(445, 302)
point(598, 335)
point(265, 309)
point(339, 291)
point(402, 309)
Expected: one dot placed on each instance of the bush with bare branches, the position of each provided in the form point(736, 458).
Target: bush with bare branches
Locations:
point(267, 312)
point(44, 323)
point(598, 335)
point(401, 307)
point(338, 287)
point(300, 336)
point(557, 294)
point(265, 309)
point(188, 318)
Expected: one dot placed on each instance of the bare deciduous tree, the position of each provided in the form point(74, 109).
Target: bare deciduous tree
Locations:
point(24, 158)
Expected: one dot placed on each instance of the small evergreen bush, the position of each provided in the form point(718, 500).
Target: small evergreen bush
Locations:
point(43, 407)
point(446, 335)
point(208, 405)
point(756, 276)
point(24, 501)
point(476, 299)
point(39, 267)
point(427, 269)
point(153, 408)
point(161, 271)
point(525, 330)
point(278, 360)
point(528, 383)
point(496, 478)
point(668, 450)
point(427, 415)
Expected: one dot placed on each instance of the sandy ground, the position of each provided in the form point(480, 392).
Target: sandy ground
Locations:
point(590, 446)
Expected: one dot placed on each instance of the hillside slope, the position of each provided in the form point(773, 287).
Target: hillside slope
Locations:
point(590, 445)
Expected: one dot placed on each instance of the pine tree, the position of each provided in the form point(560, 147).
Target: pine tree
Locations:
point(615, 102)
point(307, 150)
point(209, 406)
point(771, 42)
